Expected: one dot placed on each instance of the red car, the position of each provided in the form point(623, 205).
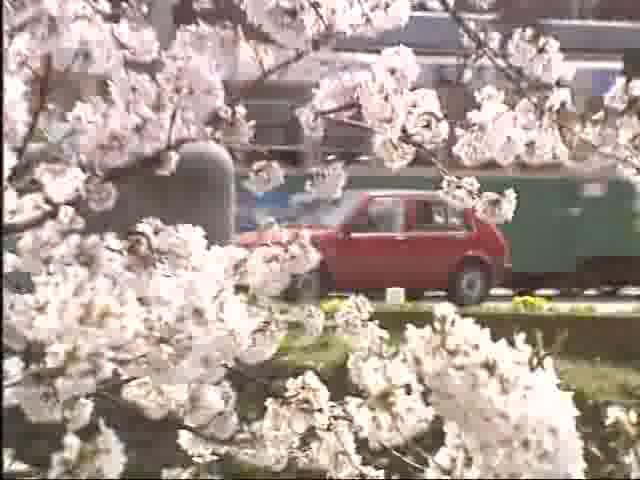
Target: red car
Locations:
point(414, 239)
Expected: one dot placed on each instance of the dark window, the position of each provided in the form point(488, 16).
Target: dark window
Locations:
point(383, 215)
point(434, 216)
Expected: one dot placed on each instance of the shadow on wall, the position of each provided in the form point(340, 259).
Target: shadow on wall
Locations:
point(200, 192)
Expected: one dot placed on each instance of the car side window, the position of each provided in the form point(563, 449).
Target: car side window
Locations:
point(433, 216)
point(382, 215)
point(456, 220)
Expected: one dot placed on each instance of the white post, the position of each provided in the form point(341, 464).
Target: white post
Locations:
point(395, 296)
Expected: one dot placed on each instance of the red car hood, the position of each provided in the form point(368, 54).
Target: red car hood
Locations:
point(275, 235)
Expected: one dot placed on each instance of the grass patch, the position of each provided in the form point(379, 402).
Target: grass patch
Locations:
point(601, 380)
point(325, 354)
point(598, 379)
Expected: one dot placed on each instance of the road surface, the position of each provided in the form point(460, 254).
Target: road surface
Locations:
point(626, 301)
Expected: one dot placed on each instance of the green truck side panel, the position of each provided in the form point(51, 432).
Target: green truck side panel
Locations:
point(543, 231)
point(610, 225)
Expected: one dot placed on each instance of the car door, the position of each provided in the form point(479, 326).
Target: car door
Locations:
point(438, 236)
point(372, 254)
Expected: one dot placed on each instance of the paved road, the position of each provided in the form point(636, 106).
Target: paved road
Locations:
point(627, 300)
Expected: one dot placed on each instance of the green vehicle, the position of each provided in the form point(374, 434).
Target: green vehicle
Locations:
point(570, 233)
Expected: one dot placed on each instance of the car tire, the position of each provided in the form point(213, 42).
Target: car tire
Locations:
point(610, 291)
point(571, 292)
point(414, 295)
point(307, 288)
point(470, 285)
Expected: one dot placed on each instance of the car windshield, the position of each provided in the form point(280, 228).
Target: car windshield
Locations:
point(326, 213)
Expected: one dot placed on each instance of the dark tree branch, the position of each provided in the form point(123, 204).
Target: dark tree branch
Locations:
point(514, 74)
point(222, 11)
point(22, 167)
point(249, 89)
point(404, 138)
point(13, 228)
point(135, 167)
point(339, 109)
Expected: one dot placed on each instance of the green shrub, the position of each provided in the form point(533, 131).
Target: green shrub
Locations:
point(530, 304)
point(584, 309)
point(331, 305)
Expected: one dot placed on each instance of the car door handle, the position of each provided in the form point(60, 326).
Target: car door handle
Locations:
point(574, 211)
point(401, 237)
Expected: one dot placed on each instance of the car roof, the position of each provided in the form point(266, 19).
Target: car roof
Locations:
point(434, 195)
point(400, 192)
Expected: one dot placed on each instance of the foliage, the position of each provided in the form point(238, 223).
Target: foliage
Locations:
point(127, 340)
point(530, 304)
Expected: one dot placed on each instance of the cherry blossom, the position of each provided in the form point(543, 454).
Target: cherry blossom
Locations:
point(327, 183)
point(158, 308)
point(264, 176)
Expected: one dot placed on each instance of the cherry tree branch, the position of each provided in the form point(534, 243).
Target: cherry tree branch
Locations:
point(135, 167)
point(339, 109)
point(249, 89)
point(514, 74)
point(403, 138)
point(44, 85)
point(34, 221)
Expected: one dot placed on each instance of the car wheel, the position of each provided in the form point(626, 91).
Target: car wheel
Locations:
point(307, 288)
point(414, 295)
point(571, 292)
point(470, 285)
point(610, 291)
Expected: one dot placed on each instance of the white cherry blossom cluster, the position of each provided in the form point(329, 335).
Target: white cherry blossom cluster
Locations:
point(489, 206)
point(458, 360)
point(264, 176)
point(452, 369)
point(505, 135)
point(540, 126)
point(327, 183)
point(626, 422)
point(616, 131)
point(399, 115)
point(103, 457)
point(143, 113)
point(157, 309)
point(297, 23)
point(158, 305)
point(539, 56)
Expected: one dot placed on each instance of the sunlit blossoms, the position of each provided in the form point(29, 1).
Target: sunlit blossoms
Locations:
point(103, 457)
point(264, 176)
point(506, 135)
point(401, 117)
point(327, 183)
point(161, 324)
point(626, 423)
point(538, 56)
point(297, 23)
point(465, 193)
point(458, 360)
